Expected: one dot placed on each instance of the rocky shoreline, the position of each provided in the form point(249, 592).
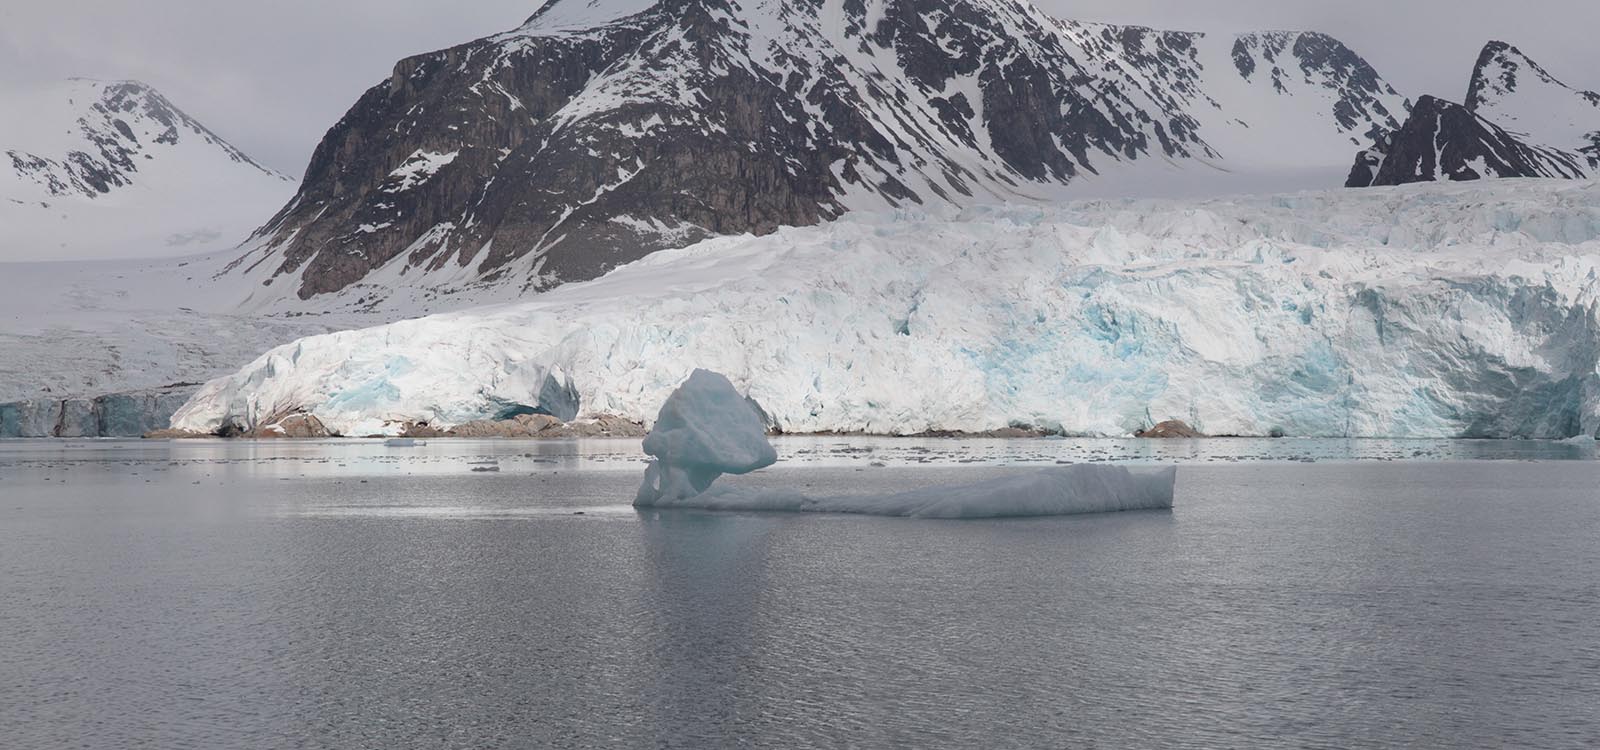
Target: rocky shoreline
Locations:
point(522, 426)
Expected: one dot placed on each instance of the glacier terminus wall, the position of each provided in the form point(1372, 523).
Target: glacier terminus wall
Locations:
point(1442, 310)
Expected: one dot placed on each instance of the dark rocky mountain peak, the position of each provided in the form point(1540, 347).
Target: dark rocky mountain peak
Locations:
point(87, 137)
point(1502, 70)
point(1518, 120)
point(1444, 141)
point(602, 130)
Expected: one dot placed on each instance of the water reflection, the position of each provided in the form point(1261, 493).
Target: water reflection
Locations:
point(192, 596)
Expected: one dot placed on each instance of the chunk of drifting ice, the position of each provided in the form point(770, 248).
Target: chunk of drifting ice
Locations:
point(1057, 491)
point(705, 429)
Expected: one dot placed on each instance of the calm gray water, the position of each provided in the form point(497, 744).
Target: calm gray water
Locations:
point(346, 595)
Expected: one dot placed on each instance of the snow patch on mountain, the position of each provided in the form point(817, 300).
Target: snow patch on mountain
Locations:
point(417, 169)
point(1516, 93)
point(566, 17)
point(1437, 310)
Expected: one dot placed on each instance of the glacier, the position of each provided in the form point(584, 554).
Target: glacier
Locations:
point(1438, 310)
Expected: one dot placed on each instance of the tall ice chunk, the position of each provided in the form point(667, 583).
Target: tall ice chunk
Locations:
point(705, 429)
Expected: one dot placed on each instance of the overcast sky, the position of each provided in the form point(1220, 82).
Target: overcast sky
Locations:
point(272, 76)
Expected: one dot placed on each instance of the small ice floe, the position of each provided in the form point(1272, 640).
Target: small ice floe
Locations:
point(403, 443)
point(707, 429)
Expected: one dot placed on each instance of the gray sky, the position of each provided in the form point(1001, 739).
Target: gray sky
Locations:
point(272, 76)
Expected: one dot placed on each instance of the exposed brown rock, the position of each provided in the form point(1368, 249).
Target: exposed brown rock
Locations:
point(1172, 428)
point(536, 423)
point(170, 434)
point(605, 425)
point(1003, 432)
point(520, 426)
point(421, 430)
point(292, 426)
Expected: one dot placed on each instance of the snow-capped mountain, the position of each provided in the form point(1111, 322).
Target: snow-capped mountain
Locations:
point(97, 169)
point(1425, 311)
point(1446, 141)
point(602, 130)
point(1516, 93)
point(1518, 121)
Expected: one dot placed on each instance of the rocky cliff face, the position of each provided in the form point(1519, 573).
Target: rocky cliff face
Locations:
point(601, 131)
point(1518, 121)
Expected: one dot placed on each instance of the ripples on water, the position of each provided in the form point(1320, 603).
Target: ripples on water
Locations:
point(348, 595)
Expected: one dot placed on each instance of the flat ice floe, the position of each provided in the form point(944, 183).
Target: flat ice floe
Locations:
point(1058, 491)
point(1425, 311)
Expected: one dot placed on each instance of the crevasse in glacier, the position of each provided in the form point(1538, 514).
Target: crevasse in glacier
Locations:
point(1431, 310)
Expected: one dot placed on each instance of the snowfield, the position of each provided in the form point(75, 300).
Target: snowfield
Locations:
point(1430, 310)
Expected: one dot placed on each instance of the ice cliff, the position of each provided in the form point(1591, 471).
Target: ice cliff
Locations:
point(1430, 310)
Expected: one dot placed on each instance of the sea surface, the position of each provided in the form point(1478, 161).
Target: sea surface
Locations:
point(462, 594)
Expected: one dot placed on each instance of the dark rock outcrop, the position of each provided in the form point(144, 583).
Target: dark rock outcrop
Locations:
point(1172, 428)
point(1518, 121)
point(1443, 141)
point(301, 426)
point(521, 426)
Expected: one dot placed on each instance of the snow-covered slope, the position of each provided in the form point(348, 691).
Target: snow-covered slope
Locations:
point(604, 129)
point(104, 347)
point(1516, 93)
point(103, 169)
point(1518, 121)
point(1429, 310)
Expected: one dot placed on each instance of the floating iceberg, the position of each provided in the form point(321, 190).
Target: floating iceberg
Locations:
point(707, 429)
point(1443, 310)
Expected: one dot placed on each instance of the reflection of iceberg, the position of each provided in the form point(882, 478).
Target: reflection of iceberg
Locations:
point(707, 429)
